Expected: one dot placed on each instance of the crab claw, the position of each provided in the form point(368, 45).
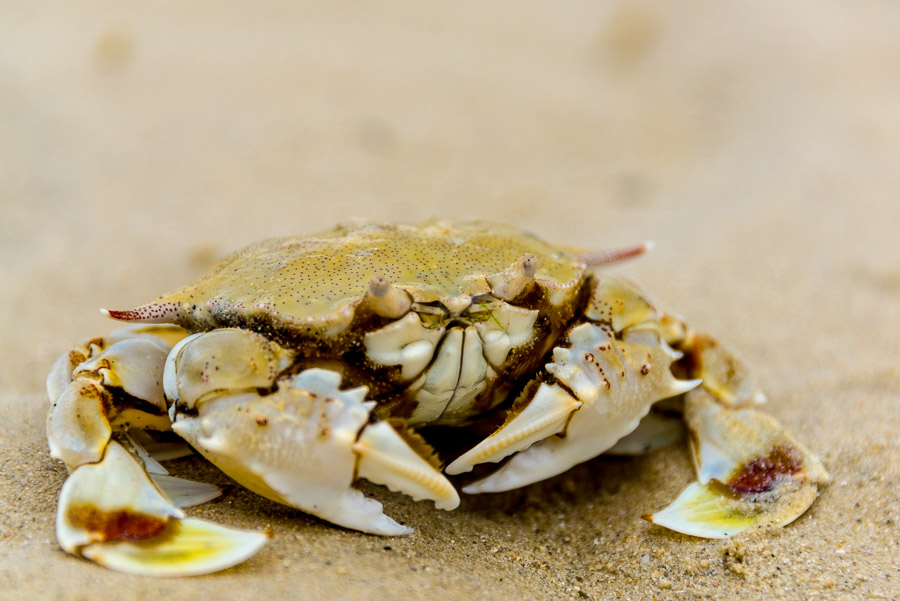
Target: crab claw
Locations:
point(750, 470)
point(111, 513)
point(386, 457)
point(304, 444)
point(614, 383)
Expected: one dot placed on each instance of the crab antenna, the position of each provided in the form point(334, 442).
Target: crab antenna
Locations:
point(151, 312)
point(595, 258)
point(387, 300)
point(511, 283)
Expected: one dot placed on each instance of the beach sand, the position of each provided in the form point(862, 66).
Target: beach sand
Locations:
point(757, 143)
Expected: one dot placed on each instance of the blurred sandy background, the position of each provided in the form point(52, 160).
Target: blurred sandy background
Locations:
point(757, 143)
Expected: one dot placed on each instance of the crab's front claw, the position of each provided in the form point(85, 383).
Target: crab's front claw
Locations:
point(750, 470)
point(607, 385)
point(302, 444)
point(111, 513)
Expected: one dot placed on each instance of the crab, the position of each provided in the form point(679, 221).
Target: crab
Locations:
point(299, 365)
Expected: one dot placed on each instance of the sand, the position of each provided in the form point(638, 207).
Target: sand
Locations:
point(757, 144)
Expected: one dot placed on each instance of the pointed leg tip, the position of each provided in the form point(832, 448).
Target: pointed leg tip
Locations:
point(384, 525)
point(127, 315)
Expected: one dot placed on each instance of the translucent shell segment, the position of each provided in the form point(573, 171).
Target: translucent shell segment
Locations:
point(111, 513)
point(724, 374)
point(186, 493)
point(656, 430)
point(751, 472)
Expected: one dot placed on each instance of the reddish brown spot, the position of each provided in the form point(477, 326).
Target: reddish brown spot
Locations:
point(761, 474)
point(262, 420)
point(645, 368)
point(116, 525)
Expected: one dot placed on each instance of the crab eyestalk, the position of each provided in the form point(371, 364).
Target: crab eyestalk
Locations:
point(516, 279)
point(387, 300)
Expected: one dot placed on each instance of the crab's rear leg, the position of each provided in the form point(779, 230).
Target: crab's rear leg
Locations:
point(110, 509)
point(751, 471)
point(104, 384)
point(302, 442)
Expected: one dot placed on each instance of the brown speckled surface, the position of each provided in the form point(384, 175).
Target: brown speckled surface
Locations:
point(757, 144)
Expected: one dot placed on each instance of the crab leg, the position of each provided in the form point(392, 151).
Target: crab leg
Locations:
point(106, 383)
point(302, 444)
point(110, 510)
point(751, 472)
